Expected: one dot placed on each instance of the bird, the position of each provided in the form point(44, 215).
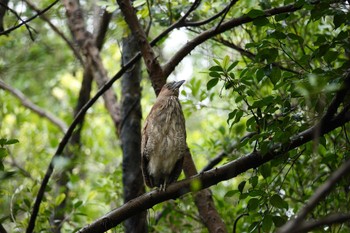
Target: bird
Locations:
point(163, 143)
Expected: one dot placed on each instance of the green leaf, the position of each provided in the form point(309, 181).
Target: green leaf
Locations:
point(253, 204)
point(254, 13)
point(233, 65)
point(231, 193)
point(278, 202)
point(217, 62)
point(282, 16)
point(214, 74)
point(11, 141)
point(267, 223)
point(212, 83)
point(265, 170)
point(59, 199)
point(3, 153)
point(278, 221)
point(225, 62)
point(275, 75)
point(238, 116)
point(256, 193)
point(259, 22)
point(253, 181)
point(293, 36)
point(138, 3)
point(231, 115)
point(241, 186)
point(77, 203)
point(339, 19)
point(331, 56)
point(2, 141)
point(216, 69)
point(277, 35)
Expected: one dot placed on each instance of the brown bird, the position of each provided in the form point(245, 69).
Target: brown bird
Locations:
point(164, 139)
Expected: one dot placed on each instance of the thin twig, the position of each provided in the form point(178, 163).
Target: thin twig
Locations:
point(29, 19)
point(225, 12)
point(30, 105)
point(58, 32)
point(29, 28)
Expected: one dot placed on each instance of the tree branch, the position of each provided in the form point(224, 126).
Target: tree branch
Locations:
point(29, 28)
point(88, 47)
point(153, 67)
point(58, 32)
point(73, 125)
point(36, 109)
point(212, 177)
point(251, 55)
point(318, 196)
point(189, 46)
point(325, 221)
point(28, 20)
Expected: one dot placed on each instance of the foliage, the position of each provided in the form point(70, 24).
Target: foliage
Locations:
point(254, 88)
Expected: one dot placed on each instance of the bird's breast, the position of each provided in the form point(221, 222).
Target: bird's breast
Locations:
point(166, 138)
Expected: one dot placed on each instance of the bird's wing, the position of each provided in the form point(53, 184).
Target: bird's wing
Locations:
point(145, 157)
point(144, 168)
point(175, 173)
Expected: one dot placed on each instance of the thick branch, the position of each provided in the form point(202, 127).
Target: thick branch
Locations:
point(30, 105)
point(73, 125)
point(153, 67)
point(86, 43)
point(211, 177)
point(189, 46)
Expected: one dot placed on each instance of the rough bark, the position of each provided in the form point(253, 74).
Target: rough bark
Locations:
point(130, 135)
point(153, 67)
point(86, 43)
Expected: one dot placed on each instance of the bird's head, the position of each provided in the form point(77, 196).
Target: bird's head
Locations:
point(171, 89)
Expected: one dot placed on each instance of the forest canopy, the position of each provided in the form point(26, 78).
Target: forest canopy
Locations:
point(266, 101)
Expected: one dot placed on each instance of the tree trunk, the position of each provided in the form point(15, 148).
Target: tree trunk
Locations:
point(130, 135)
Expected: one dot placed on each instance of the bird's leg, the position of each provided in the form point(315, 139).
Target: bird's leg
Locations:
point(164, 185)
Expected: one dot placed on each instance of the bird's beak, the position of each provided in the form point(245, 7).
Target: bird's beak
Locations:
point(178, 84)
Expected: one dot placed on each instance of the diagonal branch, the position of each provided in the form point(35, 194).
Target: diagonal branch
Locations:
point(66, 137)
point(30, 19)
point(29, 28)
point(153, 67)
point(251, 55)
point(318, 196)
point(87, 45)
point(58, 32)
point(189, 46)
point(30, 105)
point(325, 221)
point(208, 178)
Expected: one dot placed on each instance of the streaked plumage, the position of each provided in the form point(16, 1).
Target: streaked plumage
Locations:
point(164, 139)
